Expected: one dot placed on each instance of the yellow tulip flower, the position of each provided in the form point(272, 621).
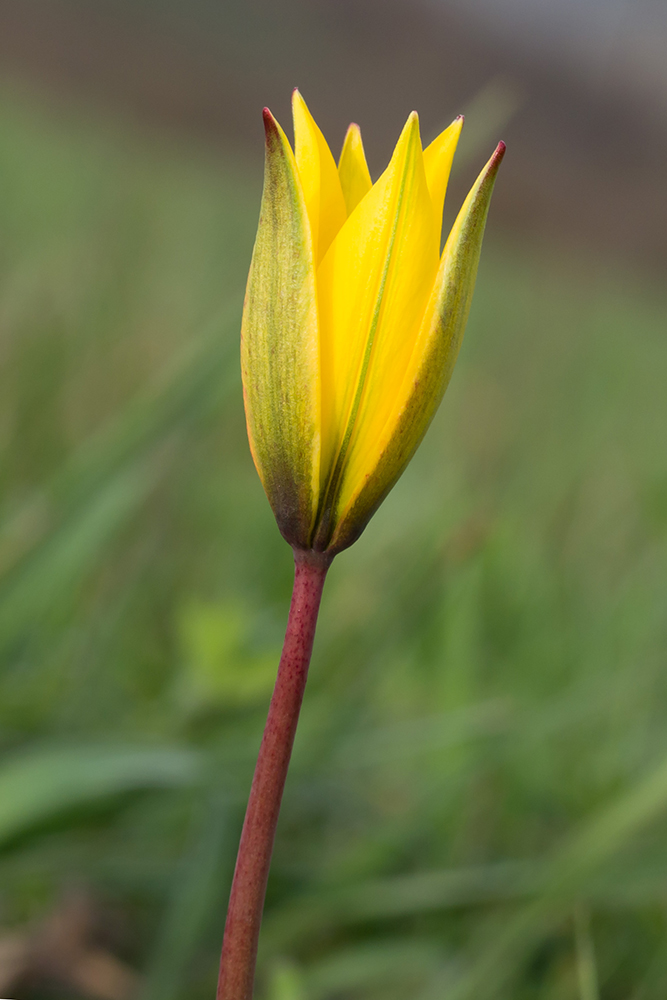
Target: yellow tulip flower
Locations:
point(352, 321)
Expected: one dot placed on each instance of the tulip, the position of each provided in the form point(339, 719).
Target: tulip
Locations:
point(352, 320)
point(352, 323)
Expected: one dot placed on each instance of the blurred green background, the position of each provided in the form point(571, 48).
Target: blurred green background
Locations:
point(477, 807)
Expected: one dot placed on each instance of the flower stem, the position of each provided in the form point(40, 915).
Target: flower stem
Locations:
point(246, 902)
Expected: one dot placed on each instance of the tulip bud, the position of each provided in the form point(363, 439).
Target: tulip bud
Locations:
point(352, 320)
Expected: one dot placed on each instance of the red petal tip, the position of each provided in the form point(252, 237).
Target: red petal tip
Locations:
point(494, 162)
point(496, 157)
point(270, 124)
point(460, 118)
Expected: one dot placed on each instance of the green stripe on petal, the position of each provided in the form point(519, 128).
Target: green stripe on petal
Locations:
point(432, 362)
point(373, 285)
point(279, 347)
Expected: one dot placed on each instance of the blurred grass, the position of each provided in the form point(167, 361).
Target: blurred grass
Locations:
point(478, 801)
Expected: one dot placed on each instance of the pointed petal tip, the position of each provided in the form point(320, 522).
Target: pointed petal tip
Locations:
point(270, 125)
point(497, 157)
point(491, 168)
point(410, 129)
point(412, 123)
point(352, 130)
point(460, 118)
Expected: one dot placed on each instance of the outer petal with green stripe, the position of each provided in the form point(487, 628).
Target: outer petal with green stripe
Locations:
point(353, 320)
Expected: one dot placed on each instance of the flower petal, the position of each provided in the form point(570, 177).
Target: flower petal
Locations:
point(373, 286)
point(279, 346)
point(355, 178)
point(319, 178)
point(430, 367)
point(438, 157)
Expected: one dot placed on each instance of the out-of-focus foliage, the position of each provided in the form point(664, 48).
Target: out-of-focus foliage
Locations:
point(478, 802)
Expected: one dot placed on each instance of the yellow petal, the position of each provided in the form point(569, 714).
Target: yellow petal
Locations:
point(279, 347)
point(373, 286)
point(319, 178)
point(355, 178)
point(438, 158)
point(430, 367)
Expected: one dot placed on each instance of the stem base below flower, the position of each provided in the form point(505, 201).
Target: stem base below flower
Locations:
point(246, 902)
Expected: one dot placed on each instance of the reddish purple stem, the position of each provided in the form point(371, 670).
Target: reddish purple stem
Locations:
point(246, 902)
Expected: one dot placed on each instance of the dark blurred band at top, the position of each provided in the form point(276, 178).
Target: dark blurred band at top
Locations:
point(585, 126)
